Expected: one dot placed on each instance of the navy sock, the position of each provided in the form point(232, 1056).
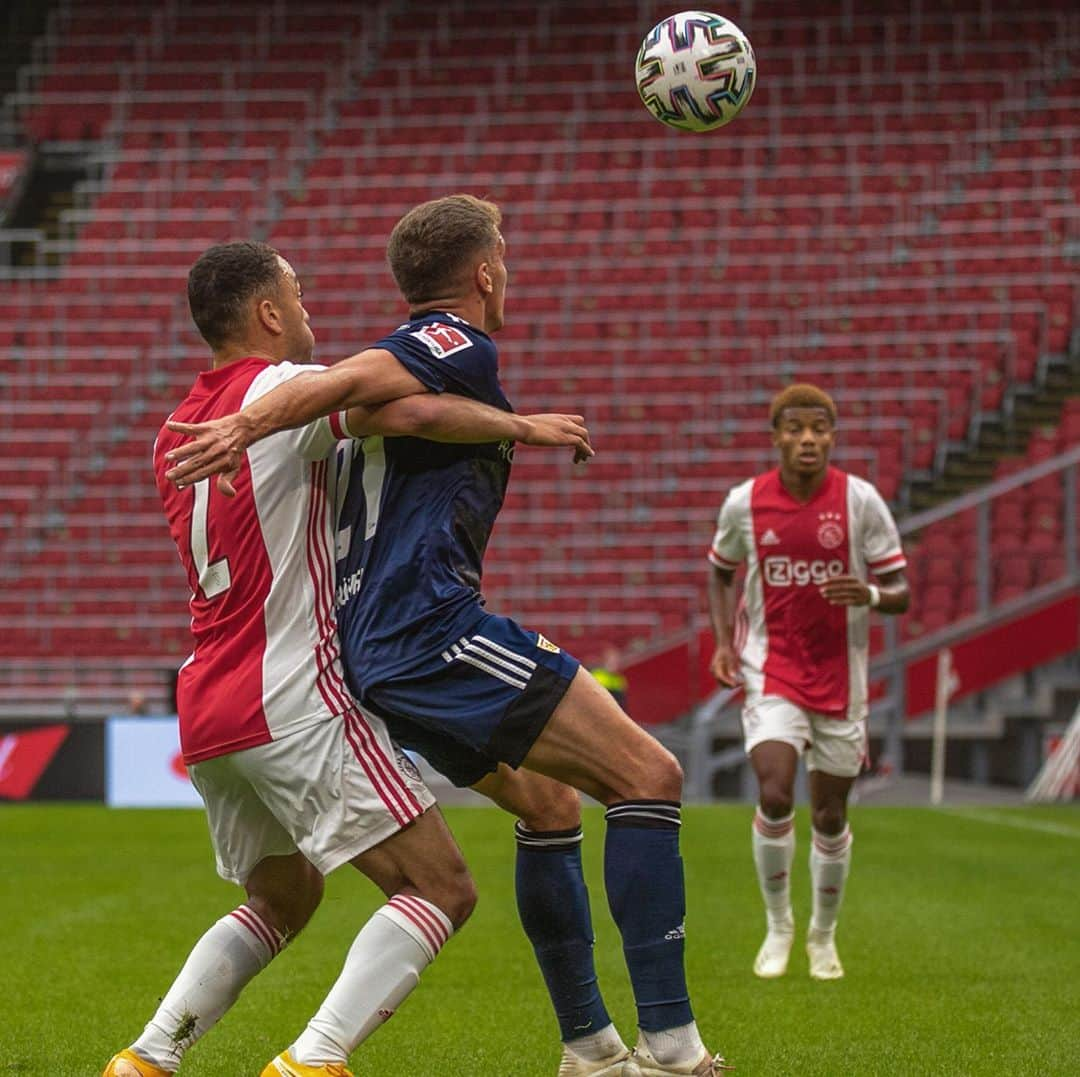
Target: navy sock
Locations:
point(554, 907)
point(644, 876)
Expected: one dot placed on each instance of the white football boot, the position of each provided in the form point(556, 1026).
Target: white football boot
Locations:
point(573, 1065)
point(642, 1064)
point(824, 961)
point(772, 958)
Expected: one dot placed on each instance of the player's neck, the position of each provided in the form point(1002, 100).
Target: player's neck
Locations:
point(233, 353)
point(802, 486)
point(470, 312)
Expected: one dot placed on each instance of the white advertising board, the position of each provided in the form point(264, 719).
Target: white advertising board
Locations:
point(143, 768)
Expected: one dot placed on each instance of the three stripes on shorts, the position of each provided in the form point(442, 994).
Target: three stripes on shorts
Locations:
point(492, 658)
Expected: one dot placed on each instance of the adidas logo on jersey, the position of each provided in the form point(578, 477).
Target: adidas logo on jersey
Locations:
point(770, 538)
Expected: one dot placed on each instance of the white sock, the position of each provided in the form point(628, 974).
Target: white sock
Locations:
point(830, 859)
point(773, 842)
point(383, 965)
point(673, 1046)
point(596, 1046)
point(222, 963)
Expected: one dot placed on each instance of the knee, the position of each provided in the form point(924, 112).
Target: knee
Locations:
point(664, 776)
point(829, 818)
point(458, 897)
point(553, 806)
point(289, 907)
point(777, 800)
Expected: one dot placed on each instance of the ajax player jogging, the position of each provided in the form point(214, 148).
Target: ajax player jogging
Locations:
point(810, 535)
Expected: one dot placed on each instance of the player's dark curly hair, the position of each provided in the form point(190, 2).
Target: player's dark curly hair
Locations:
point(801, 395)
point(436, 243)
point(223, 281)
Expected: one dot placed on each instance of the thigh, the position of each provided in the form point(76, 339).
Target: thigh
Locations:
point(338, 787)
point(423, 857)
point(592, 744)
point(775, 764)
point(491, 691)
point(243, 830)
point(838, 747)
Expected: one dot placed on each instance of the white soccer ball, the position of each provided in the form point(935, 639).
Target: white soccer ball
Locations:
point(695, 71)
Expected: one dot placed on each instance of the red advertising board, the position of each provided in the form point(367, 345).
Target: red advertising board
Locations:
point(24, 757)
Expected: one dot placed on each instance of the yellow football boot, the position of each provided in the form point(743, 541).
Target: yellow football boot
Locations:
point(284, 1066)
point(128, 1064)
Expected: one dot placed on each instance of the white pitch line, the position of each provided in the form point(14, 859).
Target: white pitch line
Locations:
point(1020, 824)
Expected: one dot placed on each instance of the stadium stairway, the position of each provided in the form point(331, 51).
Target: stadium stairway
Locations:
point(894, 216)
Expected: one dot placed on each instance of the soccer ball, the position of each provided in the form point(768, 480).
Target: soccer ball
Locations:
point(695, 71)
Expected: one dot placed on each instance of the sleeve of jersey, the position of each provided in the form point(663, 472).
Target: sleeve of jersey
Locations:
point(447, 360)
point(317, 439)
point(881, 539)
point(728, 548)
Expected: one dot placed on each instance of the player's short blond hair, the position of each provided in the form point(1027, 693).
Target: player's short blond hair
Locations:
point(801, 395)
point(435, 244)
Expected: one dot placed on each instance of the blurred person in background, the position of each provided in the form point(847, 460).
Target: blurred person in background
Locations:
point(608, 673)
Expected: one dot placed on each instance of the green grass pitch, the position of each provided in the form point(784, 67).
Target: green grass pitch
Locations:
point(959, 935)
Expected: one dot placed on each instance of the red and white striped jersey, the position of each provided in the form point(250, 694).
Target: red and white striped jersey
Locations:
point(791, 642)
point(261, 571)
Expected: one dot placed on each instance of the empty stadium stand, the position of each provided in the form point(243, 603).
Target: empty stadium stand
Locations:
point(895, 216)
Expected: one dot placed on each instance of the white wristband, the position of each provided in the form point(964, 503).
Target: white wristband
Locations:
point(875, 594)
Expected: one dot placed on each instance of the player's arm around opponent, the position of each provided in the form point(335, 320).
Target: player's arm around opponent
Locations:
point(380, 397)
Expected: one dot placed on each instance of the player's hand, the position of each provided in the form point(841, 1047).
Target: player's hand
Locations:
point(725, 666)
point(216, 448)
point(845, 591)
point(557, 431)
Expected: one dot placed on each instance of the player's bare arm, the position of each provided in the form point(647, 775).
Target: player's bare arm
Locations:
point(725, 661)
point(892, 588)
point(444, 418)
point(371, 377)
point(449, 418)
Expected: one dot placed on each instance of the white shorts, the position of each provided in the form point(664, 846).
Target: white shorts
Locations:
point(332, 790)
point(831, 745)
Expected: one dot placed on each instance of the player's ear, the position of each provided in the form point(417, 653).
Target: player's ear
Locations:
point(484, 280)
point(269, 317)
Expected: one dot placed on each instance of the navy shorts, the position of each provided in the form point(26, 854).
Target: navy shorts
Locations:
point(482, 702)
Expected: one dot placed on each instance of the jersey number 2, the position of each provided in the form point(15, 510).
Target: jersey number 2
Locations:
point(214, 578)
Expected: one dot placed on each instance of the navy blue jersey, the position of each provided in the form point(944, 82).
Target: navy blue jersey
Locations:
point(415, 516)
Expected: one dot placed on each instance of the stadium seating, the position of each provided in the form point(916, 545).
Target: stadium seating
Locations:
point(894, 216)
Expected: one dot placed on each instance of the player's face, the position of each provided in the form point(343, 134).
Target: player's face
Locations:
point(804, 437)
point(299, 341)
point(496, 301)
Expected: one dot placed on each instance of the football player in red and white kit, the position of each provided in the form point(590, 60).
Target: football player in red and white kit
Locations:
point(297, 780)
point(810, 535)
